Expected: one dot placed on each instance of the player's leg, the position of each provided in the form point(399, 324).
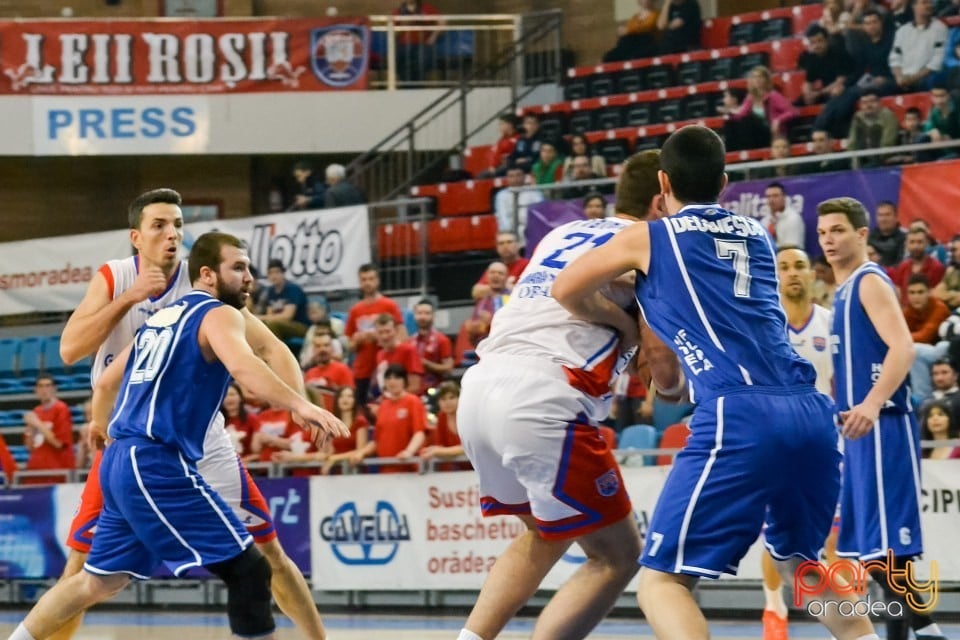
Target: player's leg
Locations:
point(775, 608)
point(291, 591)
point(513, 580)
point(666, 600)
point(65, 599)
point(247, 576)
point(79, 539)
point(586, 598)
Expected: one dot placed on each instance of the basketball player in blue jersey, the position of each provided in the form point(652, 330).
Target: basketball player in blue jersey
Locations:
point(157, 506)
point(872, 354)
point(707, 285)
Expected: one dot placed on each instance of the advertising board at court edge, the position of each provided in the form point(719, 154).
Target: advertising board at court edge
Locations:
point(135, 57)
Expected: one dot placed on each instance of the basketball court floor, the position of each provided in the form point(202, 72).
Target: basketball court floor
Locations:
point(154, 625)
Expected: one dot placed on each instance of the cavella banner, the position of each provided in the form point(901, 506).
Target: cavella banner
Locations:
point(127, 57)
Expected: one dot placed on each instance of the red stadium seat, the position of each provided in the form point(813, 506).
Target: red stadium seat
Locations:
point(477, 159)
point(674, 437)
point(400, 240)
point(453, 235)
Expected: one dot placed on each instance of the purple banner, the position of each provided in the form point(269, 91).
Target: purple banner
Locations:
point(804, 193)
point(289, 500)
point(29, 547)
point(543, 217)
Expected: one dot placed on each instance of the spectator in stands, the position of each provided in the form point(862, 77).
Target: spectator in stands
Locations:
point(548, 169)
point(638, 37)
point(277, 432)
point(916, 58)
point(763, 114)
point(400, 429)
point(947, 8)
point(508, 250)
point(784, 222)
point(917, 262)
point(872, 57)
point(949, 288)
point(239, 423)
point(934, 248)
point(511, 208)
point(360, 329)
point(828, 68)
point(924, 313)
point(733, 97)
point(478, 324)
point(283, 305)
point(396, 350)
point(594, 206)
point(84, 451)
point(825, 285)
point(822, 146)
point(887, 237)
point(779, 149)
point(874, 126)
point(951, 63)
point(527, 150)
point(579, 171)
point(900, 13)
point(499, 161)
point(352, 449)
point(327, 375)
point(320, 323)
point(580, 147)
point(48, 434)
point(939, 423)
point(834, 19)
point(434, 348)
point(943, 123)
point(416, 50)
point(679, 24)
point(444, 441)
point(939, 385)
point(309, 191)
point(340, 193)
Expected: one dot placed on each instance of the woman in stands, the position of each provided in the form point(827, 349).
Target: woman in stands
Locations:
point(350, 449)
point(763, 115)
point(594, 206)
point(240, 424)
point(638, 37)
point(444, 439)
point(580, 147)
point(937, 425)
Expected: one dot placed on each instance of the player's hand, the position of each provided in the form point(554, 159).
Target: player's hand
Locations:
point(428, 452)
point(859, 420)
point(150, 282)
point(96, 436)
point(321, 423)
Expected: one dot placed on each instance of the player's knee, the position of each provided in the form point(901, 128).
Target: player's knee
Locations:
point(247, 577)
point(100, 588)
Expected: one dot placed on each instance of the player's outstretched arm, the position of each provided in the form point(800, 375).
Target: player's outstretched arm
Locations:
point(577, 286)
point(883, 309)
point(223, 332)
point(96, 316)
point(271, 350)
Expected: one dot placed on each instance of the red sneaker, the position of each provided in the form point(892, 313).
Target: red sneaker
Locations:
point(774, 627)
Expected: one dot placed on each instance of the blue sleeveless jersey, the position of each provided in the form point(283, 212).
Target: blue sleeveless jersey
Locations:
point(858, 350)
point(170, 393)
point(711, 294)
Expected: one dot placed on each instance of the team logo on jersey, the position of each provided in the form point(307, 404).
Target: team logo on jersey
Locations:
point(819, 343)
point(365, 538)
point(338, 54)
point(608, 484)
point(167, 316)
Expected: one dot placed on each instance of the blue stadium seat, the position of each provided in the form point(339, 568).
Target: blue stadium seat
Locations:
point(52, 362)
point(409, 322)
point(30, 361)
point(639, 436)
point(9, 348)
point(82, 367)
point(668, 413)
point(12, 418)
point(19, 453)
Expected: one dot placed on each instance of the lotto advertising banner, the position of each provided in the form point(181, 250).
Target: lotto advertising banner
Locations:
point(804, 193)
point(930, 191)
point(131, 57)
point(52, 274)
point(321, 250)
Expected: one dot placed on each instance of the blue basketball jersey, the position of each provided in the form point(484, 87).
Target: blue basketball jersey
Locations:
point(170, 393)
point(711, 293)
point(858, 350)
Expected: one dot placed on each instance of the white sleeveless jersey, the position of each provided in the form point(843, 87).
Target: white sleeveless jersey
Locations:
point(812, 342)
point(533, 324)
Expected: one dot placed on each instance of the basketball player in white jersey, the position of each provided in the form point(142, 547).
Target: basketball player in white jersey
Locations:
point(527, 417)
point(808, 327)
point(119, 299)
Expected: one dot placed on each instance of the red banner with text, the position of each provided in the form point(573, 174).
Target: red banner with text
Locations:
point(928, 191)
point(129, 57)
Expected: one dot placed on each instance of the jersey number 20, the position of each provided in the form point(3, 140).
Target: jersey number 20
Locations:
point(151, 352)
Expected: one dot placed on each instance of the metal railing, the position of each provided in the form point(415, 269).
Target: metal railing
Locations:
point(405, 271)
point(421, 148)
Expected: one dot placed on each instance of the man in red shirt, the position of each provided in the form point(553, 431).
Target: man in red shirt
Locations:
point(360, 328)
point(328, 376)
point(917, 261)
point(415, 48)
point(508, 248)
point(395, 350)
point(500, 152)
point(435, 349)
point(923, 312)
point(49, 432)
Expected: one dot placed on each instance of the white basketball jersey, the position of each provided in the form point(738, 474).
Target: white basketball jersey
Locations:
point(812, 342)
point(533, 324)
point(120, 276)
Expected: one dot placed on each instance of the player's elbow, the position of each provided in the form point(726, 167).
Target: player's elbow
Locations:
point(69, 352)
point(909, 352)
